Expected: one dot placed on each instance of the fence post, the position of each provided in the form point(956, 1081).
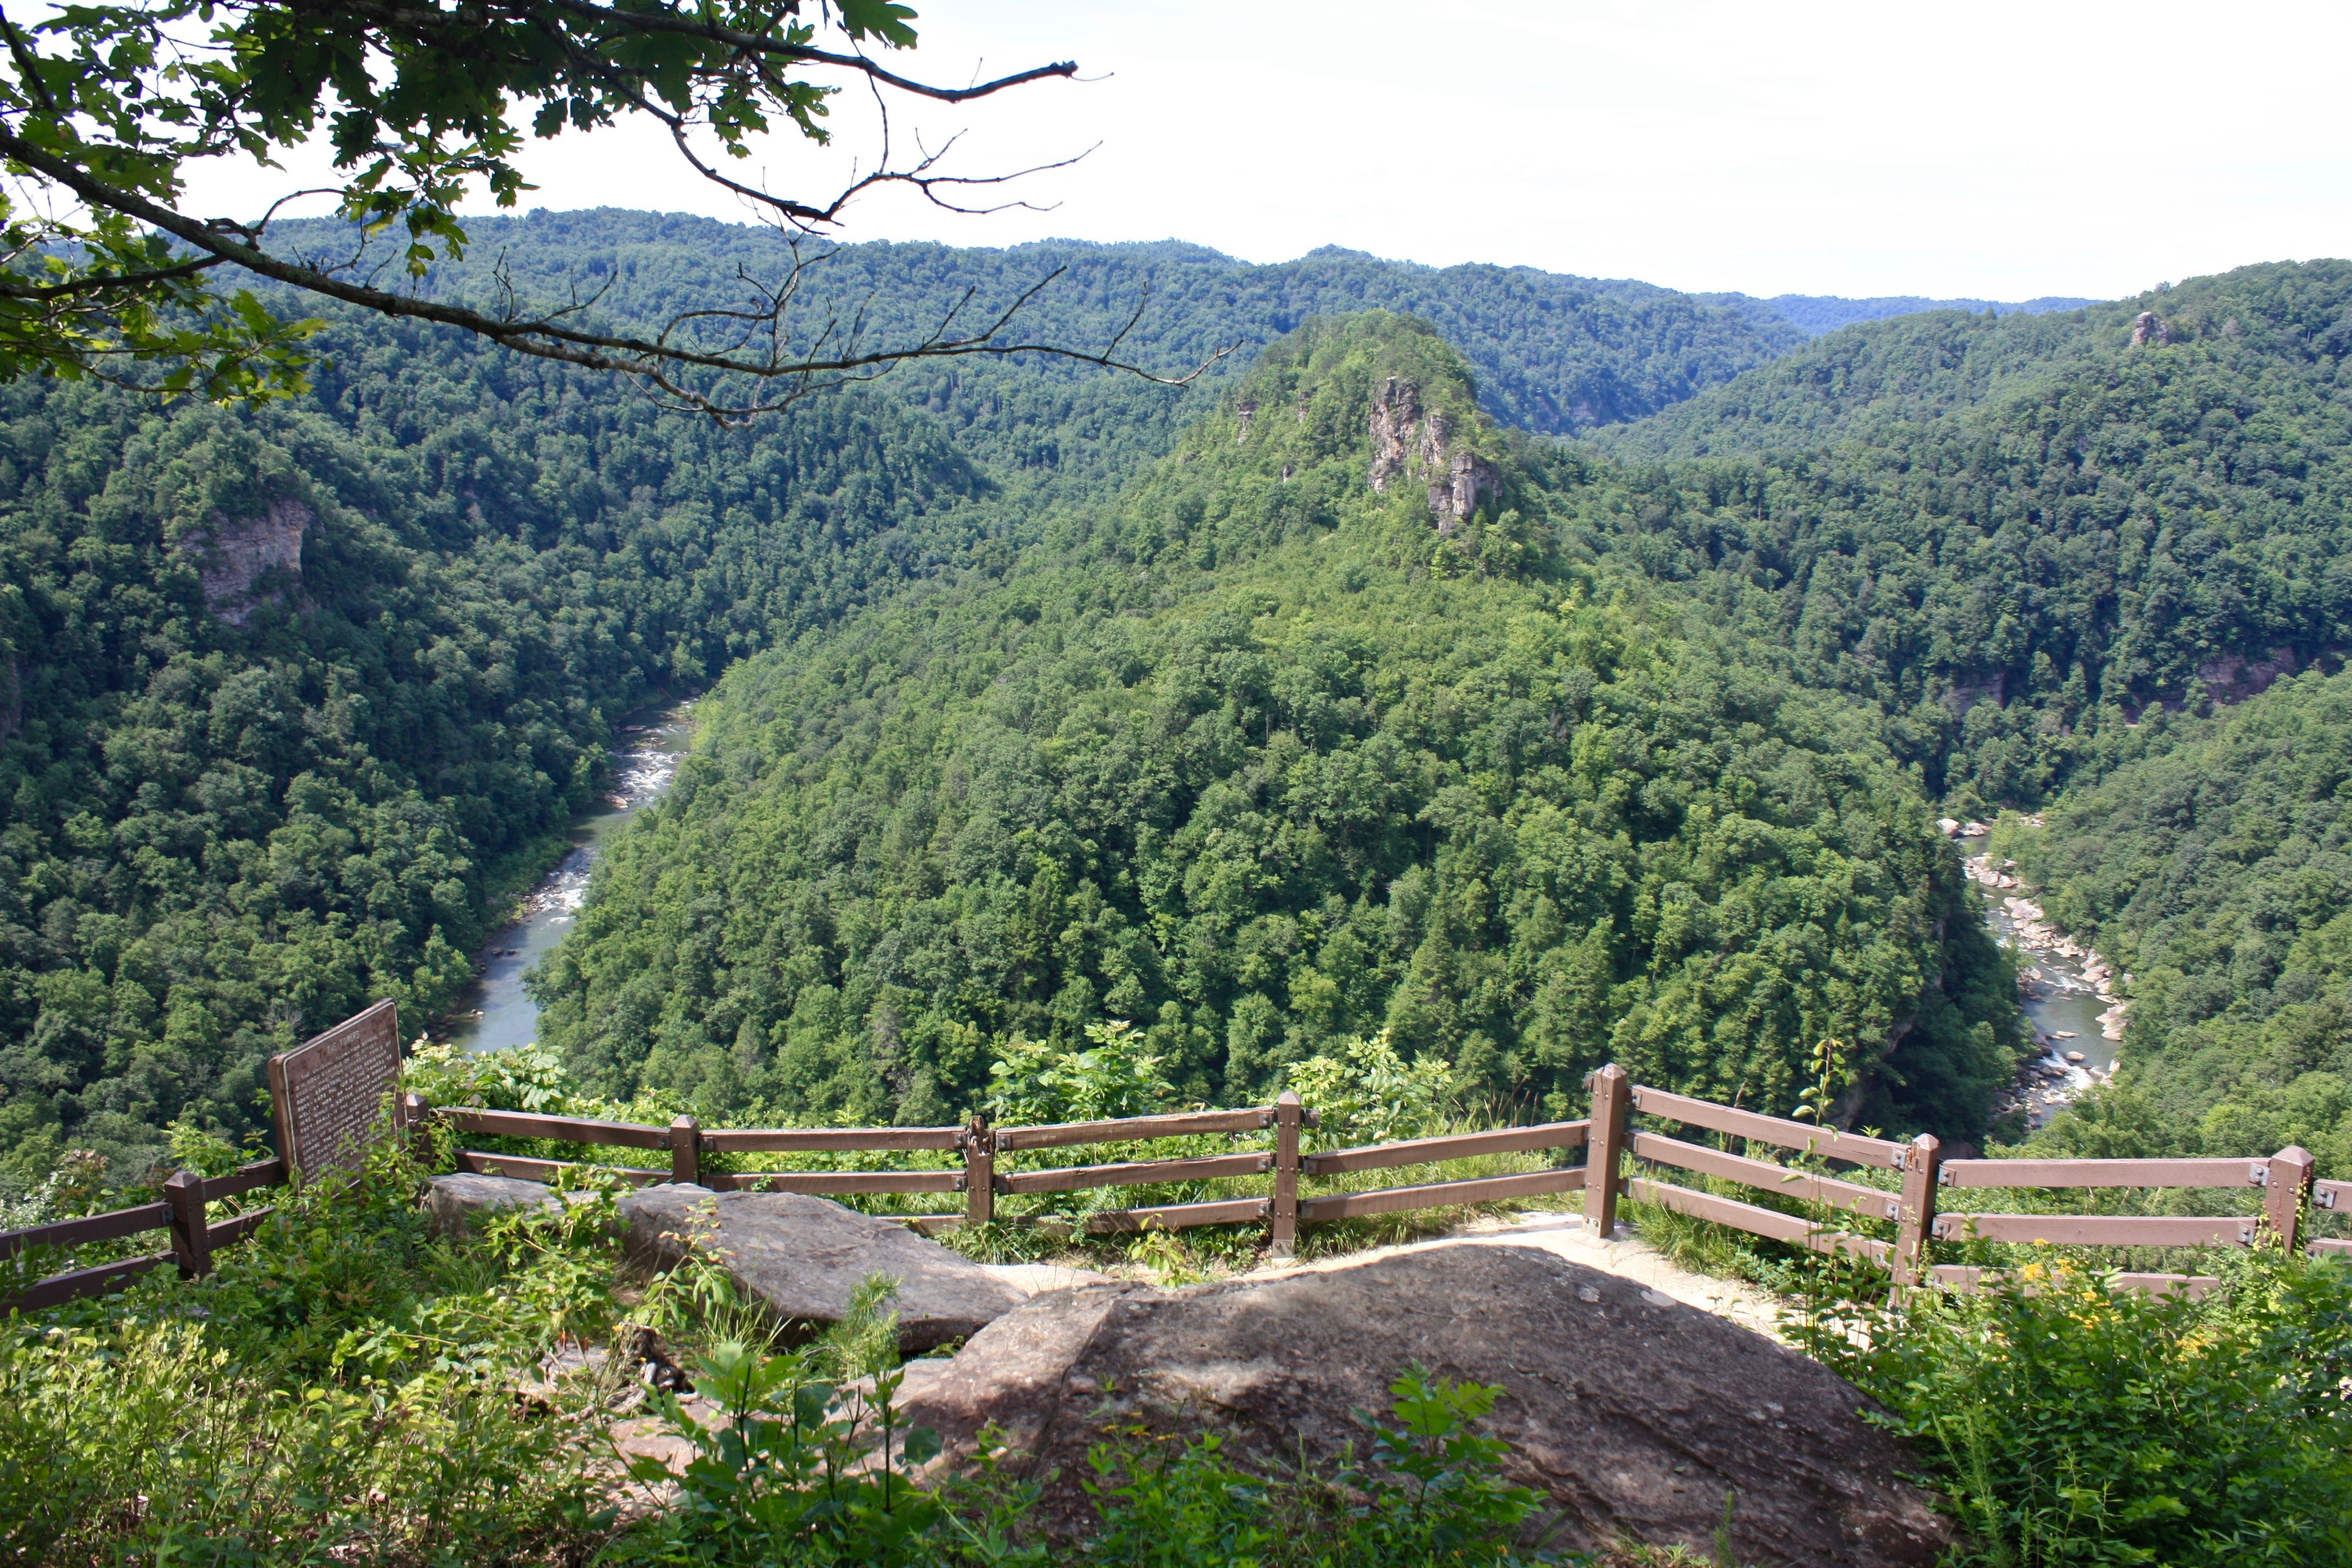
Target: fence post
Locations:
point(191, 1243)
point(2285, 1193)
point(978, 1173)
point(1612, 1110)
point(685, 1152)
point(417, 1112)
point(1915, 1222)
point(1286, 1118)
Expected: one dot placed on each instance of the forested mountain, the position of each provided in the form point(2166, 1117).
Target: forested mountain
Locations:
point(1550, 352)
point(2216, 869)
point(1061, 695)
point(2012, 535)
point(242, 798)
point(1311, 734)
point(290, 699)
point(1814, 314)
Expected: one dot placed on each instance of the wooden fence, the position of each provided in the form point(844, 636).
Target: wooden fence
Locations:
point(181, 1212)
point(1916, 1206)
point(989, 1163)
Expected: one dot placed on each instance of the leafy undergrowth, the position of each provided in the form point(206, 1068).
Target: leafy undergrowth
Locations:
point(2062, 1422)
point(2067, 1423)
point(350, 1387)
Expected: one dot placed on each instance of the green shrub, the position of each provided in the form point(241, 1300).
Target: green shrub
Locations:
point(2073, 1423)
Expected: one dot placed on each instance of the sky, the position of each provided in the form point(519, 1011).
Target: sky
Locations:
point(1990, 150)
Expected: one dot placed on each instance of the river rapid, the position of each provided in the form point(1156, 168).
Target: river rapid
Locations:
point(2069, 993)
point(496, 1013)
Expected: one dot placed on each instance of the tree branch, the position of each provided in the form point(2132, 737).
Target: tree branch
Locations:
point(99, 280)
point(651, 360)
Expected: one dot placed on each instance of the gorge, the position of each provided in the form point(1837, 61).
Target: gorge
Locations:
point(1328, 696)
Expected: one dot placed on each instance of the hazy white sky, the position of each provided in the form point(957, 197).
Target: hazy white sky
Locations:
point(1994, 150)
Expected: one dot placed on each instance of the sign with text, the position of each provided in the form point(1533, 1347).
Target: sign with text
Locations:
point(328, 1092)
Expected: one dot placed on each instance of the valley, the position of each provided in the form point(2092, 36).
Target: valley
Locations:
point(894, 871)
point(1040, 696)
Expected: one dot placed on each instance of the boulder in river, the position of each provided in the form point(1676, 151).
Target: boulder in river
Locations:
point(1636, 1414)
point(804, 1257)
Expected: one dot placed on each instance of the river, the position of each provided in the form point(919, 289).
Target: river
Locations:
point(496, 1014)
point(2068, 995)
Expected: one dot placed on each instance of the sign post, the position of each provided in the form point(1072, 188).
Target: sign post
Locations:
point(326, 1093)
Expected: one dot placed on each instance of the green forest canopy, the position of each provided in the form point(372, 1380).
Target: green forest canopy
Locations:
point(1258, 758)
point(2216, 869)
point(1936, 559)
point(225, 824)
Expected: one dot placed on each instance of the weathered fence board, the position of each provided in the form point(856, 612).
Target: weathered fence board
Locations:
point(96, 1281)
point(1827, 1141)
point(236, 1227)
point(1441, 1195)
point(1763, 1222)
point(1179, 1216)
point(559, 1129)
point(1134, 1129)
point(2104, 1172)
point(90, 1228)
point(1771, 1178)
point(1967, 1277)
point(1454, 1147)
point(2100, 1230)
point(266, 1173)
point(822, 1181)
point(823, 1140)
point(526, 1168)
point(1136, 1174)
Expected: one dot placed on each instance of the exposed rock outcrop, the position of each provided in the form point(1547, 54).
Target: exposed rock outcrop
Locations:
point(1635, 1412)
point(806, 1256)
point(1413, 443)
point(2150, 328)
point(1966, 694)
point(2234, 678)
point(235, 556)
point(12, 696)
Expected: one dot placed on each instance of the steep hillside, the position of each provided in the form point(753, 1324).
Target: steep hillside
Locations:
point(2014, 535)
point(1310, 733)
point(282, 704)
point(289, 700)
point(2217, 871)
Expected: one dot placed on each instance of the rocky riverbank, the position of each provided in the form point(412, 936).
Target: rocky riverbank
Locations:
point(2056, 975)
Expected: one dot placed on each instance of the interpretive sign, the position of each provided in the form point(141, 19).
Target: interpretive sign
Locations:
point(328, 1092)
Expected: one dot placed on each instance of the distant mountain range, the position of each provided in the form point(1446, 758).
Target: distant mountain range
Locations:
point(1814, 314)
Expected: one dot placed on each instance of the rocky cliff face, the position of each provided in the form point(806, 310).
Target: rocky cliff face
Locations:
point(2234, 678)
point(2150, 328)
point(1411, 443)
point(234, 555)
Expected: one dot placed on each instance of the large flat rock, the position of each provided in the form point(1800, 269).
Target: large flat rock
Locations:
point(803, 1257)
point(1635, 1412)
point(461, 1199)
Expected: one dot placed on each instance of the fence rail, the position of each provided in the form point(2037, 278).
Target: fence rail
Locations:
point(2284, 1178)
point(1609, 1139)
